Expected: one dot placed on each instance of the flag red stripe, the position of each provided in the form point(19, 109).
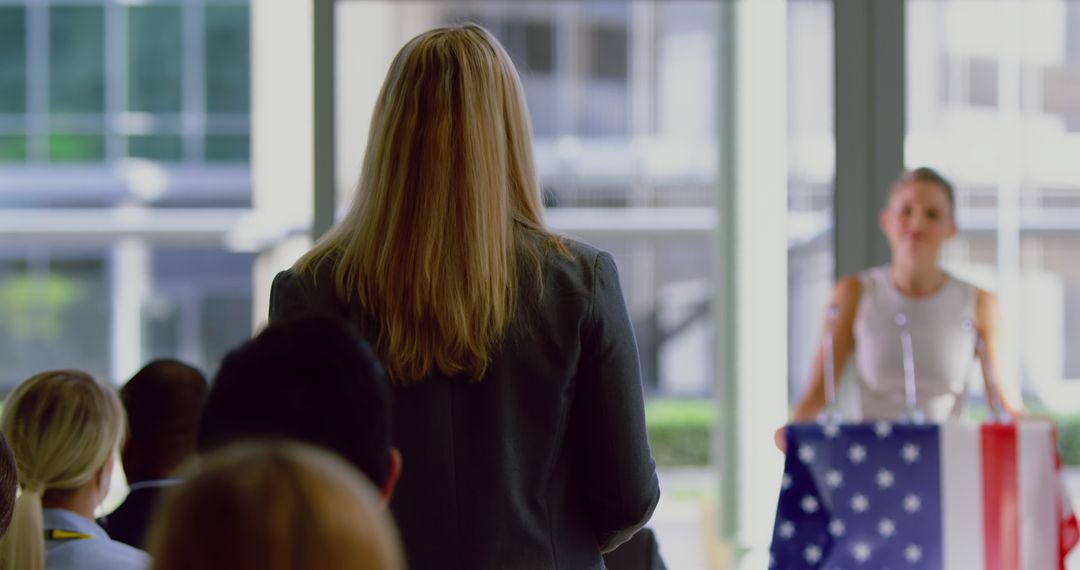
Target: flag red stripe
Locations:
point(1001, 497)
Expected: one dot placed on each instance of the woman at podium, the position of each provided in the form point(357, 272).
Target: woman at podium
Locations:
point(947, 321)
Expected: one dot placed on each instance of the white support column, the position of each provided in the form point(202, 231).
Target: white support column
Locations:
point(130, 276)
point(282, 133)
point(752, 274)
point(1011, 161)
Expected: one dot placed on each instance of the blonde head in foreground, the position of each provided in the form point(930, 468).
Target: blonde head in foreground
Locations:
point(64, 428)
point(447, 206)
point(263, 506)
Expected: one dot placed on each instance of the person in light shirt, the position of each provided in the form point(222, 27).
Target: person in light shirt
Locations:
point(64, 428)
point(945, 316)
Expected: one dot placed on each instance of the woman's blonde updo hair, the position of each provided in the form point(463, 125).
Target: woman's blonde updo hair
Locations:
point(447, 207)
point(274, 506)
point(62, 426)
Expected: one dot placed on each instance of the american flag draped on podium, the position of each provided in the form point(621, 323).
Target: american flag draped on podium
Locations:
point(949, 497)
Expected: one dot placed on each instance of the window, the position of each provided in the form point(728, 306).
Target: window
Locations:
point(531, 45)
point(1072, 329)
point(76, 147)
point(124, 79)
point(12, 148)
point(1072, 31)
point(165, 148)
point(154, 59)
point(53, 308)
point(810, 182)
point(76, 60)
point(12, 61)
point(983, 82)
point(607, 52)
point(228, 55)
point(228, 82)
point(228, 148)
point(1030, 266)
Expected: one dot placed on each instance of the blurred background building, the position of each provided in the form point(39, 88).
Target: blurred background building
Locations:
point(153, 176)
point(124, 161)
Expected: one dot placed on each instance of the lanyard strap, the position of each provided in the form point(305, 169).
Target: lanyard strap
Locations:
point(61, 534)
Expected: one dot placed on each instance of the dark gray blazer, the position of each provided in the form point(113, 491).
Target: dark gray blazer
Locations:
point(542, 464)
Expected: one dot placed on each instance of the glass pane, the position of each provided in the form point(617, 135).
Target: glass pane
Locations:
point(154, 49)
point(76, 59)
point(608, 54)
point(56, 315)
point(983, 80)
point(161, 329)
point(1007, 136)
point(76, 148)
point(810, 182)
point(12, 148)
point(531, 44)
point(226, 322)
point(228, 148)
point(156, 147)
point(228, 59)
point(12, 59)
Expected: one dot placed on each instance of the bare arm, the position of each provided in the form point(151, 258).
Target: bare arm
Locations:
point(846, 300)
point(988, 324)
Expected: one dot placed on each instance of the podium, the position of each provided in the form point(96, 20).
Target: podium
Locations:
point(954, 496)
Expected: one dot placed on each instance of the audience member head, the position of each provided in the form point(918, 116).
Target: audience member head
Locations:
point(274, 506)
point(311, 379)
point(9, 484)
point(163, 402)
point(448, 198)
point(64, 428)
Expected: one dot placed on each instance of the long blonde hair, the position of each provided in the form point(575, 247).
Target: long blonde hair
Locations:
point(274, 506)
point(448, 200)
point(63, 426)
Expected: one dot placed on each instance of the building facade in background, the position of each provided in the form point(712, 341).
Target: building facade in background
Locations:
point(124, 162)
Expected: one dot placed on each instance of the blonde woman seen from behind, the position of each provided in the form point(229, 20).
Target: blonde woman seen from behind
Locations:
point(64, 428)
point(517, 396)
point(263, 506)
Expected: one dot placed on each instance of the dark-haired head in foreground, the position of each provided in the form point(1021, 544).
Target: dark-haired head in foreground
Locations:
point(311, 379)
point(163, 402)
point(9, 482)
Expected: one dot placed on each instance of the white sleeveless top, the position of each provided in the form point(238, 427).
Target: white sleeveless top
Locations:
point(943, 344)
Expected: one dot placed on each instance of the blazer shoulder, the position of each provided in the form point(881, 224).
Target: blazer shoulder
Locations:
point(293, 293)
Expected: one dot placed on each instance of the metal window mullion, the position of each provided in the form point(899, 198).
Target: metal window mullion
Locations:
point(116, 84)
point(193, 64)
point(641, 29)
point(325, 194)
point(869, 124)
point(566, 68)
point(566, 73)
point(37, 81)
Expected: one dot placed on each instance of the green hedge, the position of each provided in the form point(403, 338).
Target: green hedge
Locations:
point(679, 431)
point(1069, 439)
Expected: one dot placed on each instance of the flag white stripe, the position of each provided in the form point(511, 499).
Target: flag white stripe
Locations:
point(961, 497)
point(1038, 497)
